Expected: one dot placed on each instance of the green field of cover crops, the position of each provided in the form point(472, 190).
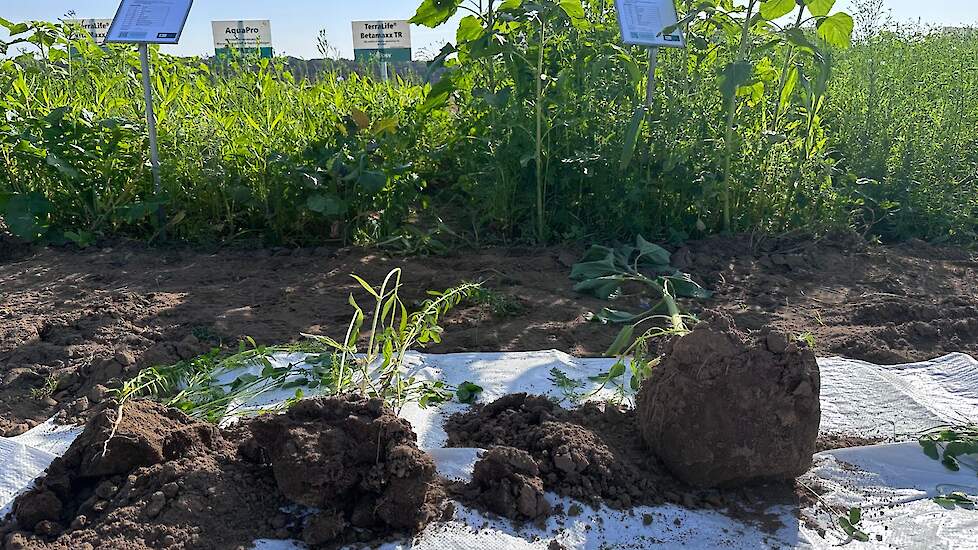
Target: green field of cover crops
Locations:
point(531, 127)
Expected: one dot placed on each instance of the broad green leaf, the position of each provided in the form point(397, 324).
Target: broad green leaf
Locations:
point(800, 40)
point(773, 9)
point(855, 515)
point(836, 30)
point(608, 315)
point(26, 215)
point(734, 76)
point(683, 287)
point(603, 288)
point(438, 95)
point(652, 253)
point(468, 392)
point(820, 8)
point(573, 8)
point(432, 13)
point(930, 449)
point(61, 166)
point(469, 29)
point(631, 137)
point(372, 181)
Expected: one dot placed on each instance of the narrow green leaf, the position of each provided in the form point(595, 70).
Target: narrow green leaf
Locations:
point(622, 341)
point(631, 137)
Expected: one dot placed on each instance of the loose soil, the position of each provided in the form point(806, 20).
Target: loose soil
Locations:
point(727, 407)
point(594, 454)
point(157, 479)
point(72, 321)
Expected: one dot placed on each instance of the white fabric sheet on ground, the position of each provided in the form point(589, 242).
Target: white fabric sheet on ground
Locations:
point(892, 483)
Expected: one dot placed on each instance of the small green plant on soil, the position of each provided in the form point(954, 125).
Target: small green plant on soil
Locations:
point(500, 304)
point(201, 387)
point(849, 522)
point(46, 389)
point(572, 389)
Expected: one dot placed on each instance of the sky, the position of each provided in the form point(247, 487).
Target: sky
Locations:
point(296, 23)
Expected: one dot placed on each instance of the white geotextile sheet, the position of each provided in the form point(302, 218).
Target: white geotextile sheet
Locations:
point(893, 484)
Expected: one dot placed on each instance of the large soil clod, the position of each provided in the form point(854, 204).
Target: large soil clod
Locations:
point(357, 462)
point(162, 480)
point(726, 408)
point(577, 453)
point(507, 481)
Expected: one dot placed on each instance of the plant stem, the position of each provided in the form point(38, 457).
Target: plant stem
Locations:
point(731, 113)
point(541, 222)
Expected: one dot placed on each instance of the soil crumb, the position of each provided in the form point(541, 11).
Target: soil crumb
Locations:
point(725, 407)
point(356, 462)
point(164, 480)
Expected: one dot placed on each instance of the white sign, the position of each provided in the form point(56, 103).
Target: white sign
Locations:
point(98, 28)
point(381, 35)
point(642, 23)
point(149, 21)
point(242, 35)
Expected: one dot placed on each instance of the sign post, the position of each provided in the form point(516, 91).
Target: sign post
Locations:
point(248, 36)
point(642, 24)
point(383, 41)
point(145, 22)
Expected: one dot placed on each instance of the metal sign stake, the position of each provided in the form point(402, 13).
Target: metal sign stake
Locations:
point(650, 91)
point(383, 71)
point(154, 153)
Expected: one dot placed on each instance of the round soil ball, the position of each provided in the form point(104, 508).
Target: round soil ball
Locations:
point(724, 408)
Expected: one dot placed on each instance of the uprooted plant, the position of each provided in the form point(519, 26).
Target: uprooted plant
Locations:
point(606, 272)
point(216, 386)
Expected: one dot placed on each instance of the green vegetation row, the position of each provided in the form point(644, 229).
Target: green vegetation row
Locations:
point(536, 129)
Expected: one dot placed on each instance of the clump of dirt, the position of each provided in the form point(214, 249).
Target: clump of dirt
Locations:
point(580, 453)
point(356, 462)
point(594, 454)
point(162, 480)
point(507, 481)
point(726, 408)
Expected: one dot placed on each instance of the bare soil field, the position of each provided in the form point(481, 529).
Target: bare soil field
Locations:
point(72, 321)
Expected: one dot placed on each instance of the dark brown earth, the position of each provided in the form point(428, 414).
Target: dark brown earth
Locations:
point(727, 407)
point(594, 454)
point(506, 481)
point(356, 462)
point(163, 480)
point(71, 320)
